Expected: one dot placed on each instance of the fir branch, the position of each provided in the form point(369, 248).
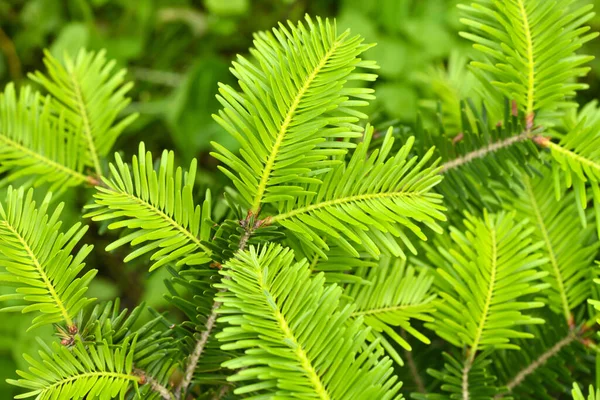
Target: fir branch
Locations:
point(283, 130)
point(484, 151)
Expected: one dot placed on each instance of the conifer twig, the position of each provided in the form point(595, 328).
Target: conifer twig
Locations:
point(249, 229)
point(465, 379)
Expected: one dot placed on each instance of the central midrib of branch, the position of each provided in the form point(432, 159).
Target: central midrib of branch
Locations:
point(548, 243)
point(305, 362)
point(283, 129)
point(86, 123)
point(36, 264)
point(530, 60)
point(488, 300)
point(342, 200)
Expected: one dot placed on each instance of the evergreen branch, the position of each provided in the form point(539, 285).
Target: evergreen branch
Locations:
point(82, 371)
point(289, 137)
point(342, 201)
point(78, 176)
point(266, 173)
point(492, 271)
point(265, 290)
point(38, 261)
point(484, 151)
point(42, 274)
point(590, 165)
point(158, 206)
point(541, 360)
point(480, 307)
point(36, 144)
point(382, 197)
point(521, 59)
point(91, 97)
point(388, 295)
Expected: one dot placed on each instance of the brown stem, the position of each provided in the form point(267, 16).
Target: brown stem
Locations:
point(222, 393)
point(465, 378)
point(480, 153)
point(157, 387)
point(412, 366)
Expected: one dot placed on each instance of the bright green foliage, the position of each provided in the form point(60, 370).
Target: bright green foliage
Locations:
point(297, 337)
point(90, 96)
point(370, 201)
point(577, 159)
point(293, 109)
point(567, 248)
point(486, 152)
point(394, 295)
point(94, 371)
point(488, 271)
point(481, 384)
point(527, 49)
point(36, 144)
point(157, 206)
point(578, 395)
point(37, 260)
point(297, 282)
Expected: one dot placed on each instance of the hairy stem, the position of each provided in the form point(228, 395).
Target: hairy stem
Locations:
point(465, 379)
point(484, 151)
point(208, 327)
point(195, 357)
point(538, 362)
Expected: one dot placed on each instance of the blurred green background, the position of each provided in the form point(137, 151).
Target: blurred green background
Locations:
point(176, 51)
